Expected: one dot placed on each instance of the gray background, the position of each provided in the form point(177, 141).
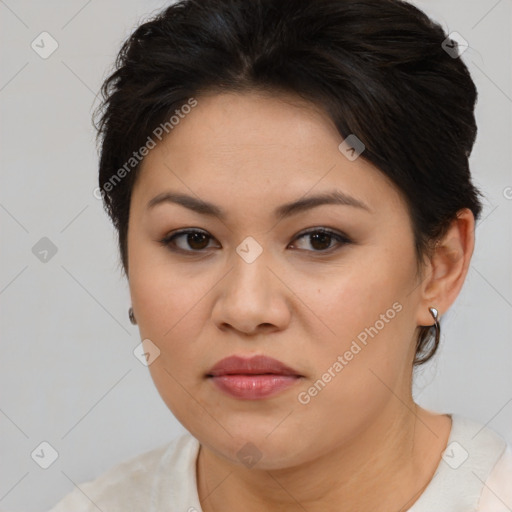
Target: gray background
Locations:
point(68, 375)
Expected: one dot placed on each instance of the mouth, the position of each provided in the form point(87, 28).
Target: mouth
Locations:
point(252, 378)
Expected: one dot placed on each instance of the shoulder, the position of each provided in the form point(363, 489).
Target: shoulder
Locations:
point(497, 493)
point(475, 467)
point(131, 485)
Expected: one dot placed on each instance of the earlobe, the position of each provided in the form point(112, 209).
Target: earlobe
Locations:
point(131, 316)
point(448, 266)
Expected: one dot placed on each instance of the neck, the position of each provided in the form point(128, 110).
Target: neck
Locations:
point(385, 467)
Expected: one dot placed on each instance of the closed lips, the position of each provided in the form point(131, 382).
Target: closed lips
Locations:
point(255, 365)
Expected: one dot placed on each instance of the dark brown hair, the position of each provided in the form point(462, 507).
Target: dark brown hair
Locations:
point(377, 67)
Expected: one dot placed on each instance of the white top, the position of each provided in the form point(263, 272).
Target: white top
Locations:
point(474, 475)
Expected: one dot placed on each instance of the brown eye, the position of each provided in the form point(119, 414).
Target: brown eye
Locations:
point(190, 241)
point(197, 240)
point(321, 239)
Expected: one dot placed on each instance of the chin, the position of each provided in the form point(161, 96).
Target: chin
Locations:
point(255, 449)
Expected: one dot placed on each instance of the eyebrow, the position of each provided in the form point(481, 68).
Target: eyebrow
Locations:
point(202, 207)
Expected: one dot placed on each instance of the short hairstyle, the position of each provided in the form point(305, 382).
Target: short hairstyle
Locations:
point(376, 67)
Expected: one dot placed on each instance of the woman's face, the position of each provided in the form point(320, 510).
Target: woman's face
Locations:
point(341, 314)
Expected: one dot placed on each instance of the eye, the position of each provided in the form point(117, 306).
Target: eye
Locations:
point(195, 239)
point(321, 238)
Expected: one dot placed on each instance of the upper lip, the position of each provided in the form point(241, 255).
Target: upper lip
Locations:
point(255, 365)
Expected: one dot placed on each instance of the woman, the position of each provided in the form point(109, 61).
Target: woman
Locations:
point(290, 185)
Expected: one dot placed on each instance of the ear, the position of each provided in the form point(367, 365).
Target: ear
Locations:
point(446, 270)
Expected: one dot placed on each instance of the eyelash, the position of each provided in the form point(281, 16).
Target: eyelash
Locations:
point(169, 239)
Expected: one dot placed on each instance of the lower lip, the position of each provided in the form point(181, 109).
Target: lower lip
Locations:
point(253, 387)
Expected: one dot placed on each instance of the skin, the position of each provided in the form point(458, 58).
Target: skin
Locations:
point(361, 442)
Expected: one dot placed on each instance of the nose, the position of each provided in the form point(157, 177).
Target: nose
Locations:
point(252, 298)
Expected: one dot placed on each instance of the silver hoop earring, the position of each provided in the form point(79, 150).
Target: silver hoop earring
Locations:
point(131, 316)
point(435, 315)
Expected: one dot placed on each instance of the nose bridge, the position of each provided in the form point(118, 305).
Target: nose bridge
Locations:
point(248, 298)
point(250, 273)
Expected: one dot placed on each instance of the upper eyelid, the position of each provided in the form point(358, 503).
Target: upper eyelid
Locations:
point(185, 231)
point(305, 231)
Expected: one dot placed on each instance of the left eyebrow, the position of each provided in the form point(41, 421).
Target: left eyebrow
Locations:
point(202, 207)
point(335, 197)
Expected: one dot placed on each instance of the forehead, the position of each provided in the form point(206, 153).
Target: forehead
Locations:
point(258, 149)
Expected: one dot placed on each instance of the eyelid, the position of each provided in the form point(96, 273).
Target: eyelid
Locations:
point(339, 236)
point(167, 239)
point(328, 231)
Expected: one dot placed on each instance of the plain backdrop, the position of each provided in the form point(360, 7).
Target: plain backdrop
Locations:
point(68, 375)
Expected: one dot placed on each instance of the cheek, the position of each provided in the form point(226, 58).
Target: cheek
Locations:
point(170, 313)
point(364, 296)
point(369, 355)
point(370, 325)
point(172, 316)
point(164, 295)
